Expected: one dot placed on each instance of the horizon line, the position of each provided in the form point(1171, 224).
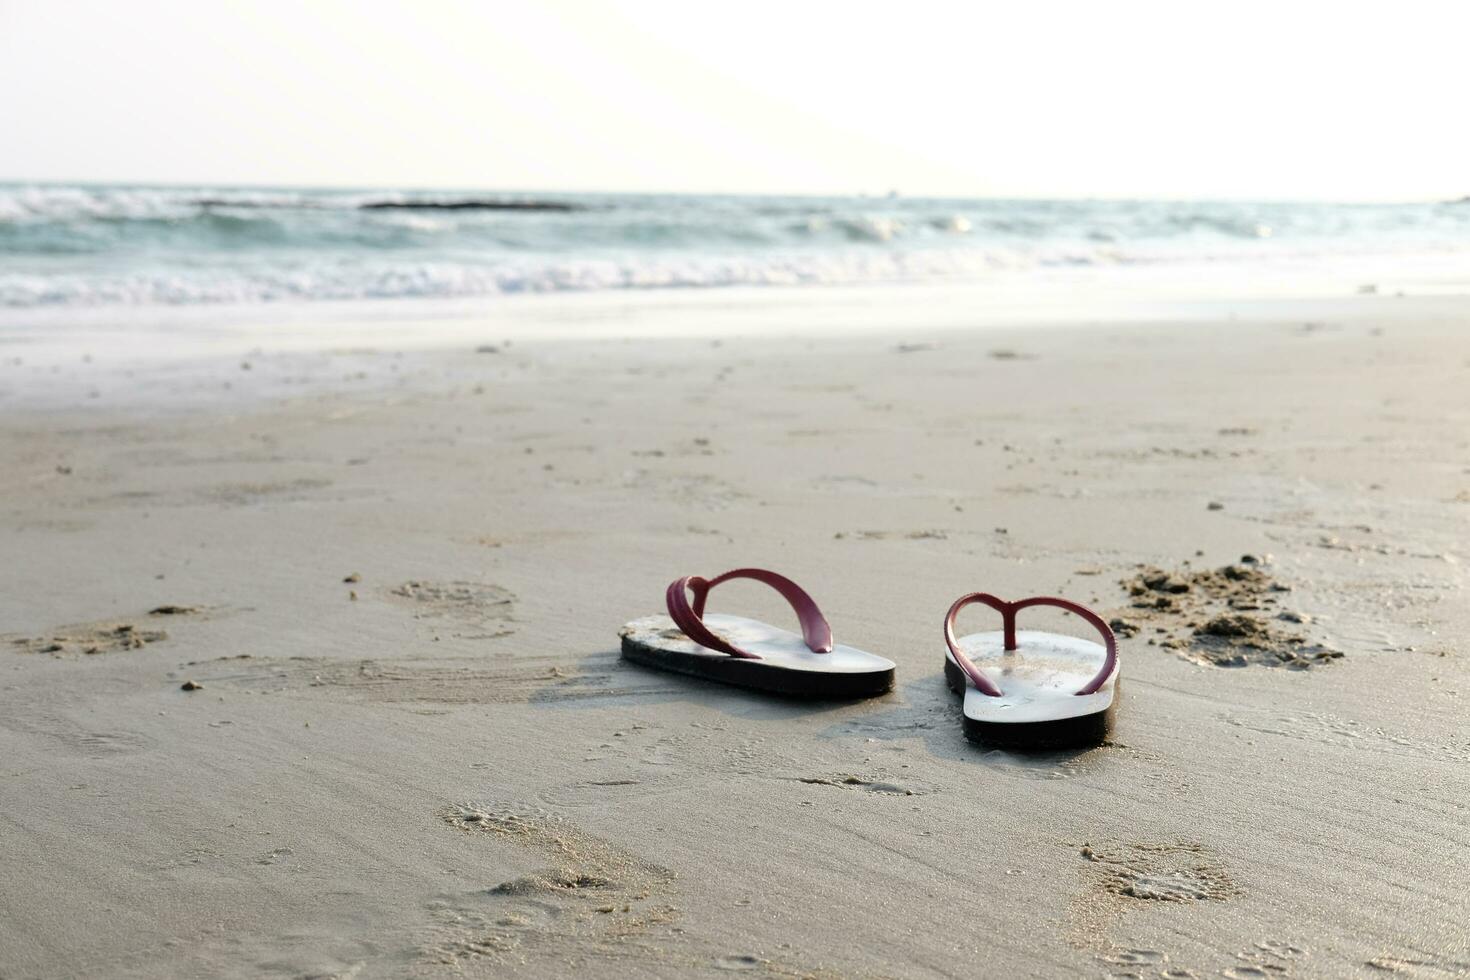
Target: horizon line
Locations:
point(890, 194)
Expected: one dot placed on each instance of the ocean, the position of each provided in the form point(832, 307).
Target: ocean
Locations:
point(95, 246)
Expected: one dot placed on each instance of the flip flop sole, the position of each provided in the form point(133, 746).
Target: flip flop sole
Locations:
point(1079, 730)
point(645, 642)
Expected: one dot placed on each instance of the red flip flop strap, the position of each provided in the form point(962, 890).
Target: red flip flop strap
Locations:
point(1008, 612)
point(689, 617)
point(982, 683)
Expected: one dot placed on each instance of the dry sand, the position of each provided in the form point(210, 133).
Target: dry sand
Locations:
point(329, 685)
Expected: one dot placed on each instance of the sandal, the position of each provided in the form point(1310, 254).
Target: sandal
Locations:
point(1049, 690)
point(749, 653)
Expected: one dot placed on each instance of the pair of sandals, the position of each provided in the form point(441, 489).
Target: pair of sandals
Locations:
point(1048, 689)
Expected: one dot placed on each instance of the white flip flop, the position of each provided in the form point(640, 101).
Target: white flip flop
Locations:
point(749, 653)
point(1050, 690)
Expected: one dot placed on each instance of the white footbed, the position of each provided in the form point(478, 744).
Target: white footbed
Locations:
point(1038, 681)
point(775, 646)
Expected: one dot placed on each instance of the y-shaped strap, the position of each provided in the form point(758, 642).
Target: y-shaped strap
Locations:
point(1008, 612)
point(690, 618)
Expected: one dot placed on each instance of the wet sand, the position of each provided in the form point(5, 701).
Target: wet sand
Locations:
point(326, 682)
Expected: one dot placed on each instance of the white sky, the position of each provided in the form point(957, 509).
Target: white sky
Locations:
point(1235, 98)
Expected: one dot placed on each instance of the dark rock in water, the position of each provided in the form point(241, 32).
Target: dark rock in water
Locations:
point(471, 204)
point(191, 686)
point(454, 204)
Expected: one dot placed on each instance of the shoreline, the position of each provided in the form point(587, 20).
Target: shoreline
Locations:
point(193, 358)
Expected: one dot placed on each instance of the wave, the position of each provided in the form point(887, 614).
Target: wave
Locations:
point(92, 245)
point(443, 280)
point(339, 281)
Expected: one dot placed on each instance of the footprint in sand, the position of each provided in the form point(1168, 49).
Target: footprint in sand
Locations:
point(1123, 875)
point(592, 896)
point(476, 603)
point(1169, 886)
point(595, 902)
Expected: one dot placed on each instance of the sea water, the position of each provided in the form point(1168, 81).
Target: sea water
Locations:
point(99, 247)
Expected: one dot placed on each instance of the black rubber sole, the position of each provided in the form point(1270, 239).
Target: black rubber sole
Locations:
point(1063, 733)
point(756, 675)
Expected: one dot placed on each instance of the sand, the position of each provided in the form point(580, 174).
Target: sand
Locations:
point(319, 677)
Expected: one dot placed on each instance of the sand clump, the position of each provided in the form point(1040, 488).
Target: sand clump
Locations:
point(1229, 616)
point(89, 639)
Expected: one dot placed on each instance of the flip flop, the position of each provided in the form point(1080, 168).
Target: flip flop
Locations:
point(749, 653)
point(1051, 690)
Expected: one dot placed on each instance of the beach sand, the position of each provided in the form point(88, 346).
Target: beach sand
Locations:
point(408, 745)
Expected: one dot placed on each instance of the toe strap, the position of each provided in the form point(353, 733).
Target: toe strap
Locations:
point(689, 616)
point(1008, 612)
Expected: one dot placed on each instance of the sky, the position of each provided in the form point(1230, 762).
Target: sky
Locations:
point(1282, 100)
